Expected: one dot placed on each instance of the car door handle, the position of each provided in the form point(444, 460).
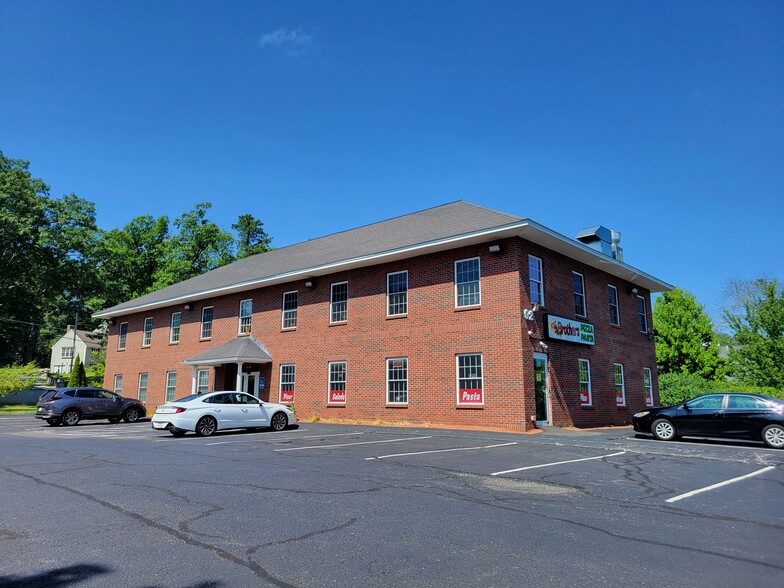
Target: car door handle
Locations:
point(718, 413)
point(217, 410)
point(244, 410)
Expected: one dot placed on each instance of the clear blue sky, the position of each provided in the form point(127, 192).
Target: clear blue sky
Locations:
point(663, 120)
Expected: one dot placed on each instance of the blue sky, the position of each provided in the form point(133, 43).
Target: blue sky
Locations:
point(663, 120)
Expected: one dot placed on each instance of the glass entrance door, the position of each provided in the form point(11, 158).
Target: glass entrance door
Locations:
point(541, 390)
point(250, 383)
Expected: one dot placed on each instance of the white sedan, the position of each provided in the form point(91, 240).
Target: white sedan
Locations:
point(206, 413)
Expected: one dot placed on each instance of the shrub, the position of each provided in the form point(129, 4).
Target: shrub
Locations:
point(675, 388)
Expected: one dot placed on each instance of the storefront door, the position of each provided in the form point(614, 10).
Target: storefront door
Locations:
point(250, 383)
point(541, 389)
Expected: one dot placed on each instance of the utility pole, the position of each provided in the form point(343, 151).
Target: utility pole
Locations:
point(73, 348)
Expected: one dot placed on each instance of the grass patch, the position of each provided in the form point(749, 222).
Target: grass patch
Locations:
point(17, 408)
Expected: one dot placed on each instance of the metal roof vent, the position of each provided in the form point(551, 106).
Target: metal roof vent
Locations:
point(603, 240)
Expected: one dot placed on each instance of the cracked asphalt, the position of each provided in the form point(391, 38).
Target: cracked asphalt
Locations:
point(337, 505)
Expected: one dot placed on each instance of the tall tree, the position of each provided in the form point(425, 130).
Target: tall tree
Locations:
point(756, 318)
point(198, 246)
point(251, 236)
point(685, 341)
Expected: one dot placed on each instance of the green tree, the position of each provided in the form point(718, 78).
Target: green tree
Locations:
point(17, 377)
point(251, 236)
point(78, 374)
point(756, 320)
point(685, 340)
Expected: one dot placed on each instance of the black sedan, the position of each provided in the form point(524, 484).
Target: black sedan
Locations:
point(734, 415)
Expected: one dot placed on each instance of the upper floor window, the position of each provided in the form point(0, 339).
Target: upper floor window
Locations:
point(578, 286)
point(643, 314)
point(206, 322)
point(397, 293)
point(584, 369)
point(338, 303)
point(143, 386)
point(147, 333)
point(615, 311)
point(290, 310)
point(467, 290)
point(174, 330)
point(620, 386)
point(122, 336)
point(67, 352)
point(246, 313)
point(535, 280)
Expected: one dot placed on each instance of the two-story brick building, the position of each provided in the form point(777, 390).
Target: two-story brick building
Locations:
point(456, 315)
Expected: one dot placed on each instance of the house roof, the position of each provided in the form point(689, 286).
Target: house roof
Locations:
point(89, 338)
point(436, 229)
point(243, 349)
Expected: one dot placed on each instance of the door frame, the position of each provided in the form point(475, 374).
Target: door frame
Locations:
point(548, 408)
point(245, 377)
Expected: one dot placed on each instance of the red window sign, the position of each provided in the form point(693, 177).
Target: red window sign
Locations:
point(287, 396)
point(471, 396)
point(337, 397)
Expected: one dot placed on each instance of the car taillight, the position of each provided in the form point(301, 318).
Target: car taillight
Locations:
point(178, 410)
point(52, 398)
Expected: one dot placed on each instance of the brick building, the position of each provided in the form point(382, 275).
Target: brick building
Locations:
point(456, 315)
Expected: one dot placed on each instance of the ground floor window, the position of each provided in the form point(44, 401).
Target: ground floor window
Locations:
point(287, 377)
point(337, 382)
point(202, 381)
point(469, 379)
point(584, 368)
point(647, 382)
point(397, 380)
point(171, 385)
point(143, 386)
point(620, 387)
point(118, 383)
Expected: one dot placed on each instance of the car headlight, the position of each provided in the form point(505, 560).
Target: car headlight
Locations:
point(639, 415)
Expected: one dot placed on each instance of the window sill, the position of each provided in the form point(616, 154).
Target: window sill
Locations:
point(395, 317)
point(206, 339)
point(173, 343)
point(338, 324)
point(396, 405)
point(470, 407)
point(288, 329)
point(333, 405)
point(468, 308)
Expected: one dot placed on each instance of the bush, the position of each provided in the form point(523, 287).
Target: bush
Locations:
point(676, 388)
point(17, 377)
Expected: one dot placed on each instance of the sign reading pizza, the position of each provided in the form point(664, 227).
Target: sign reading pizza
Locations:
point(564, 329)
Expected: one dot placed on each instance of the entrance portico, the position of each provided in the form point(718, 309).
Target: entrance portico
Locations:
point(241, 351)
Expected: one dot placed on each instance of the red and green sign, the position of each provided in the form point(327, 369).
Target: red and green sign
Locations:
point(564, 329)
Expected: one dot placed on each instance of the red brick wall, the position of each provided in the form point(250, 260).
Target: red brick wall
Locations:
point(430, 336)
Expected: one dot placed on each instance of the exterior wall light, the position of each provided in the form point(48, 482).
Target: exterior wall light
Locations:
point(494, 248)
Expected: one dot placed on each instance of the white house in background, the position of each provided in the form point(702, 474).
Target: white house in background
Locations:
point(81, 343)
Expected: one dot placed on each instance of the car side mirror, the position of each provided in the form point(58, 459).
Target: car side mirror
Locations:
point(686, 407)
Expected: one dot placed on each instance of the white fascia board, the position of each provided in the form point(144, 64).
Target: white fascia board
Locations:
point(223, 360)
point(525, 229)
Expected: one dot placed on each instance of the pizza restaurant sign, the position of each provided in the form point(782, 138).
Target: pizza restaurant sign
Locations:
point(571, 330)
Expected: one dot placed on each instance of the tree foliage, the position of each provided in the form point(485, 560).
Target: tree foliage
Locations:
point(17, 377)
point(251, 236)
point(675, 388)
point(685, 340)
point(755, 317)
point(78, 374)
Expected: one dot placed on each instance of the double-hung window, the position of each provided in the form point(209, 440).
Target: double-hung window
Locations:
point(118, 383)
point(578, 286)
point(642, 313)
point(206, 322)
point(584, 369)
point(338, 303)
point(287, 378)
point(66, 352)
point(147, 332)
point(397, 293)
point(202, 381)
point(122, 336)
point(171, 385)
point(647, 382)
point(337, 382)
point(397, 380)
point(620, 387)
point(174, 330)
point(615, 311)
point(469, 379)
point(467, 287)
point(143, 386)
point(246, 314)
point(535, 280)
point(290, 310)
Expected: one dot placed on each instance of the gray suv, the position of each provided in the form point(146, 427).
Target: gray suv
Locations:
point(70, 405)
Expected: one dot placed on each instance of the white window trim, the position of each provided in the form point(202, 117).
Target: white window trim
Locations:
point(199, 373)
point(281, 382)
point(116, 389)
point(330, 382)
point(585, 298)
point(249, 317)
point(201, 324)
point(122, 339)
point(332, 302)
point(171, 328)
point(147, 335)
point(617, 306)
point(146, 386)
point(479, 262)
point(644, 313)
point(388, 401)
point(173, 389)
point(649, 386)
point(283, 310)
point(540, 290)
point(389, 294)
point(481, 378)
point(579, 382)
point(623, 386)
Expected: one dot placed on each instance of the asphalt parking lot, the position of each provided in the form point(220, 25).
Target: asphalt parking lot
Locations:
point(334, 505)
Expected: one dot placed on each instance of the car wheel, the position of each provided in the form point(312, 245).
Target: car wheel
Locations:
point(279, 421)
point(53, 422)
point(71, 417)
point(131, 415)
point(663, 430)
point(114, 420)
point(177, 433)
point(773, 436)
point(206, 426)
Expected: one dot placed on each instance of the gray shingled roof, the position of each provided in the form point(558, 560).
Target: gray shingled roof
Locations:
point(243, 349)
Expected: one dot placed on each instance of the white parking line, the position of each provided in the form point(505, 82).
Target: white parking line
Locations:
point(276, 439)
point(440, 451)
point(546, 465)
point(349, 444)
point(720, 484)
